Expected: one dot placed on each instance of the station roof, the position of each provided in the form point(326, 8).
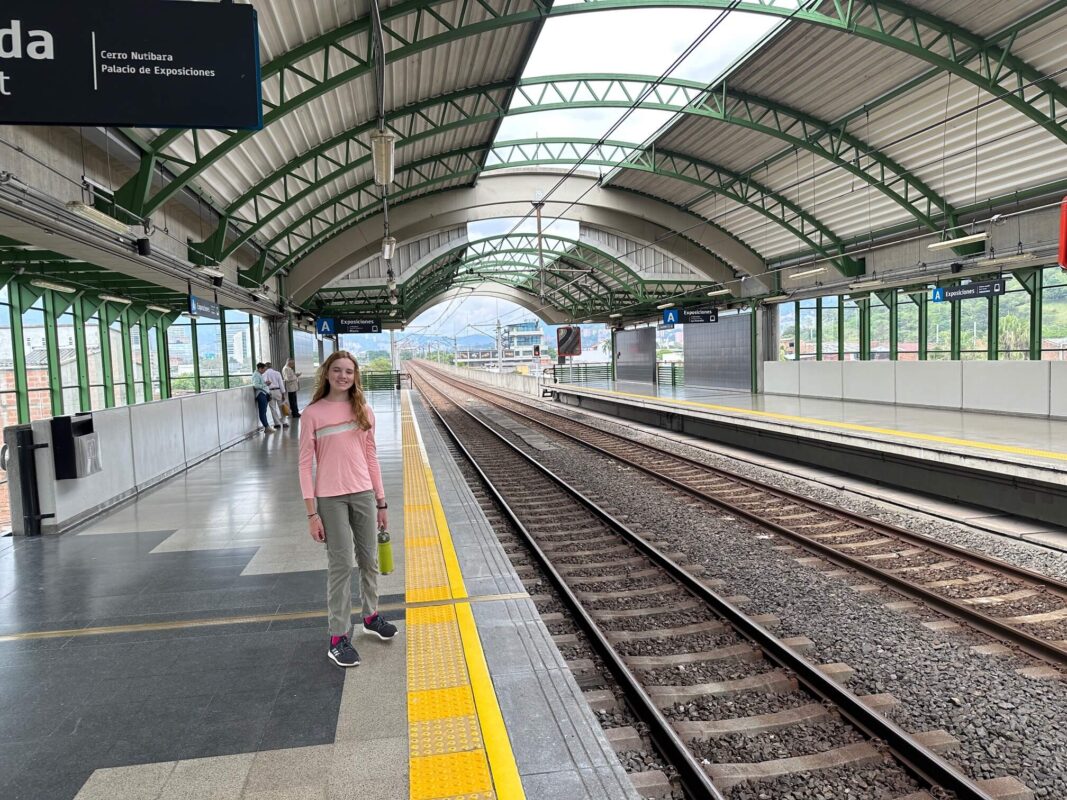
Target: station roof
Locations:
point(849, 122)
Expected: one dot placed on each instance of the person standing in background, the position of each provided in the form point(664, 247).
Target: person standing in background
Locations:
point(262, 395)
point(292, 385)
point(274, 382)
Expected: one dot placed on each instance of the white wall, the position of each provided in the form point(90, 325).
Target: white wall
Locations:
point(524, 384)
point(1030, 388)
point(141, 445)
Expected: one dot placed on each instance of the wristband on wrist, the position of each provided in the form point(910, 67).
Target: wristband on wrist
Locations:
point(313, 514)
point(384, 505)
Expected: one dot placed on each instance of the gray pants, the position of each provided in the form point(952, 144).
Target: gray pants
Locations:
point(350, 522)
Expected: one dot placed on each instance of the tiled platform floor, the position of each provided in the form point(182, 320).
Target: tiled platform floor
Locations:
point(174, 648)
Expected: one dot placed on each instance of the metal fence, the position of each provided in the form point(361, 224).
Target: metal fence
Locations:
point(384, 380)
point(668, 373)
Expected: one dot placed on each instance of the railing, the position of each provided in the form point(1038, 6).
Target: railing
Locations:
point(668, 373)
point(384, 380)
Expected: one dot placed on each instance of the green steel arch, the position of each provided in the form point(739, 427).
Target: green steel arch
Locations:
point(328, 61)
point(540, 152)
point(272, 196)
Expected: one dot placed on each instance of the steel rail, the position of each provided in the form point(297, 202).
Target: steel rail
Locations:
point(922, 762)
point(991, 626)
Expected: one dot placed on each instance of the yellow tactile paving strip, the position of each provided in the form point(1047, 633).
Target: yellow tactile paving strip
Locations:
point(848, 426)
point(459, 747)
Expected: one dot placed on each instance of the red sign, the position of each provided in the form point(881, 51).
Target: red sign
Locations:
point(1063, 234)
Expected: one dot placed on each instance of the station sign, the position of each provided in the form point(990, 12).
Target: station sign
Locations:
point(693, 316)
point(672, 316)
point(943, 294)
point(328, 326)
point(116, 62)
point(662, 327)
point(201, 307)
point(569, 340)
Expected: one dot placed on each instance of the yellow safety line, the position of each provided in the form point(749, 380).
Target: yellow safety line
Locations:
point(246, 619)
point(851, 426)
point(458, 743)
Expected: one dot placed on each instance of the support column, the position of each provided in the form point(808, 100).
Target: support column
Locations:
point(196, 357)
point(126, 322)
point(105, 357)
point(993, 328)
point(957, 315)
point(920, 300)
point(840, 328)
point(146, 362)
point(18, 350)
point(51, 343)
point(818, 329)
point(1033, 281)
point(81, 349)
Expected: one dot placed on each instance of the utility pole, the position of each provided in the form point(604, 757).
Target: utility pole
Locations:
point(499, 347)
point(538, 205)
point(392, 351)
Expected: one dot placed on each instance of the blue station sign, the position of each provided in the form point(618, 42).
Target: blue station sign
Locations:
point(942, 294)
point(128, 62)
point(672, 316)
point(201, 307)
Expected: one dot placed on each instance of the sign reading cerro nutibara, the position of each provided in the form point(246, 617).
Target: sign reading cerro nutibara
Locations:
point(149, 63)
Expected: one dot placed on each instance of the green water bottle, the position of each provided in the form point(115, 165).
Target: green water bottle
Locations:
point(385, 552)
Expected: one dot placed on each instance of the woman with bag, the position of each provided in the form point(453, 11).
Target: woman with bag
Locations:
point(291, 378)
point(346, 500)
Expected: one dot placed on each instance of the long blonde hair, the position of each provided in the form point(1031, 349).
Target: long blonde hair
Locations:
point(355, 391)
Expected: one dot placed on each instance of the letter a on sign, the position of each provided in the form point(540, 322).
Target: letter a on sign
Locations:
point(670, 316)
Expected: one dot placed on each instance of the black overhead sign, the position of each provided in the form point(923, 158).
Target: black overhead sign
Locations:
point(967, 291)
point(148, 63)
point(692, 316)
point(199, 307)
point(357, 325)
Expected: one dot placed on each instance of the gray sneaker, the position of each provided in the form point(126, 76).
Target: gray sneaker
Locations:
point(379, 627)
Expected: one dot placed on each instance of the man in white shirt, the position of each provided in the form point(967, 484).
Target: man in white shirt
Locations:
point(273, 380)
point(292, 385)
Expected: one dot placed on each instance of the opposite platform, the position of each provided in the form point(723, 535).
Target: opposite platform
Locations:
point(1014, 464)
point(175, 648)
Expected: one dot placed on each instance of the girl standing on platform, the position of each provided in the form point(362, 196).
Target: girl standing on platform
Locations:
point(346, 500)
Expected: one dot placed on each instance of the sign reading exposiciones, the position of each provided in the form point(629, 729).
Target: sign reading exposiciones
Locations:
point(129, 62)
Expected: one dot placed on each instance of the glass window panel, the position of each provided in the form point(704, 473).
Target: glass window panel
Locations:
point(96, 398)
point(7, 356)
point(306, 352)
point(851, 321)
point(209, 384)
point(9, 411)
point(138, 391)
point(786, 331)
point(1054, 316)
point(830, 311)
point(68, 363)
point(261, 333)
point(40, 404)
point(807, 330)
point(907, 328)
point(938, 329)
point(974, 329)
point(71, 400)
point(153, 362)
point(36, 354)
point(880, 338)
point(1013, 321)
point(92, 351)
point(180, 347)
point(209, 350)
point(239, 349)
point(118, 365)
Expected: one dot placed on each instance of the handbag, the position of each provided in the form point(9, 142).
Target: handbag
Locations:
point(285, 409)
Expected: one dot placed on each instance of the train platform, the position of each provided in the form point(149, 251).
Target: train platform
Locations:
point(175, 648)
point(1014, 465)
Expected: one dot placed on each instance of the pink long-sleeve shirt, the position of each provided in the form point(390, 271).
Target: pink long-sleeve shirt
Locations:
point(346, 457)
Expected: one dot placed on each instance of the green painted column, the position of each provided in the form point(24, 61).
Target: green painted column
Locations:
point(957, 315)
point(125, 325)
point(818, 329)
point(164, 361)
point(222, 349)
point(51, 343)
point(840, 328)
point(1033, 281)
point(18, 299)
point(796, 330)
point(993, 326)
point(105, 357)
point(920, 299)
point(890, 300)
point(81, 351)
point(754, 350)
point(865, 328)
point(196, 357)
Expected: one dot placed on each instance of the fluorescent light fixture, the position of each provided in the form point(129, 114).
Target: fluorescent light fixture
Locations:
point(774, 298)
point(947, 243)
point(807, 272)
point(392, 313)
point(55, 287)
point(160, 309)
point(393, 299)
point(112, 298)
point(587, 322)
point(381, 146)
point(614, 316)
point(1014, 258)
point(262, 293)
point(866, 284)
point(388, 247)
point(99, 217)
point(211, 272)
point(718, 292)
point(662, 306)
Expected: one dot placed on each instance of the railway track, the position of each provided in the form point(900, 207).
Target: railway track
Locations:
point(672, 643)
point(1017, 606)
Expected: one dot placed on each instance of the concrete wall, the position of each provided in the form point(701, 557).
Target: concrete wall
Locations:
point(513, 381)
point(1029, 388)
point(141, 445)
